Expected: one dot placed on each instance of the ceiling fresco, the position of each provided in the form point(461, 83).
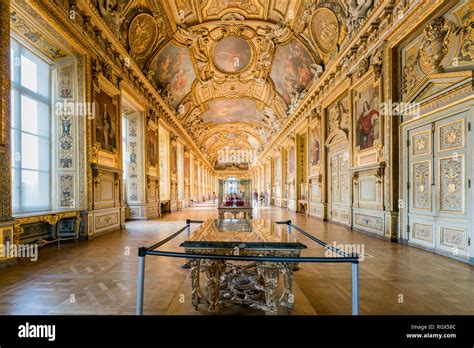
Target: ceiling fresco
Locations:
point(232, 54)
point(291, 70)
point(173, 73)
point(232, 71)
point(232, 110)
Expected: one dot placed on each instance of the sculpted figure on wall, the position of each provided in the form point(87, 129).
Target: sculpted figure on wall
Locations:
point(112, 12)
point(356, 13)
point(270, 120)
point(197, 41)
point(435, 44)
point(338, 115)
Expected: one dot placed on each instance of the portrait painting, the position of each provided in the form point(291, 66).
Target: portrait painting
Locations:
point(152, 148)
point(173, 160)
point(232, 110)
point(367, 117)
point(173, 73)
point(291, 161)
point(232, 54)
point(291, 69)
point(268, 173)
point(314, 149)
point(195, 174)
point(277, 169)
point(186, 167)
point(106, 121)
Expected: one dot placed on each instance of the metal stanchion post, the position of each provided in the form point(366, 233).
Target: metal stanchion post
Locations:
point(288, 224)
point(355, 288)
point(141, 280)
point(188, 234)
point(188, 227)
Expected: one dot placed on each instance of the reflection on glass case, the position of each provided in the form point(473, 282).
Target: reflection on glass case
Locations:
point(235, 193)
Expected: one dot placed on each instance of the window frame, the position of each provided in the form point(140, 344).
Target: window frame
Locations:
point(18, 47)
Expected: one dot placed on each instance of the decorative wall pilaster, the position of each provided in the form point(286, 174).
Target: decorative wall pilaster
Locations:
point(5, 172)
point(7, 234)
point(65, 144)
point(302, 172)
point(174, 172)
point(187, 176)
point(291, 169)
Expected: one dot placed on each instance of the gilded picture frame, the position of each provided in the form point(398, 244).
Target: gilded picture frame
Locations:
point(152, 149)
point(367, 120)
point(106, 124)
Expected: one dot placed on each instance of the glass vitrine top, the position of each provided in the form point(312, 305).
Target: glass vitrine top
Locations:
point(250, 234)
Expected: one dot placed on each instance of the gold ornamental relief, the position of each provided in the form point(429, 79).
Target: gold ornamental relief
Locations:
point(142, 33)
point(325, 30)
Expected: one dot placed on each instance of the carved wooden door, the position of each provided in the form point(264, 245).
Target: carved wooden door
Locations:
point(438, 186)
point(339, 187)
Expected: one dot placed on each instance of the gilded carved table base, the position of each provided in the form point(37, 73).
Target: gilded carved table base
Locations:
point(254, 285)
point(246, 211)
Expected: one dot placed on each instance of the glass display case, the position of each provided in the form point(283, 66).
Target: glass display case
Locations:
point(235, 192)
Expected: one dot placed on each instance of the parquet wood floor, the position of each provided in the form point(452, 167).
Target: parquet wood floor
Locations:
point(100, 276)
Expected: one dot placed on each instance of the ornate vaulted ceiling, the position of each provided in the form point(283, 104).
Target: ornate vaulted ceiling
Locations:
point(231, 70)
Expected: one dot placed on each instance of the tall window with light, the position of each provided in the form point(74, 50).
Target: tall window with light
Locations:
point(30, 130)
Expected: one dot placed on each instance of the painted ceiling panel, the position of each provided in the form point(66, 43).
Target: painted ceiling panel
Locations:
point(232, 110)
point(232, 54)
point(232, 71)
point(173, 73)
point(291, 69)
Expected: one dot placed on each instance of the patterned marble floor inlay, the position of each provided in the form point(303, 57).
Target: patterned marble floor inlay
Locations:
point(100, 276)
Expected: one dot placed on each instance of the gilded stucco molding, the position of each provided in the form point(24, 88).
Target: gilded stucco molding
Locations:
point(388, 19)
point(5, 172)
point(92, 32)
